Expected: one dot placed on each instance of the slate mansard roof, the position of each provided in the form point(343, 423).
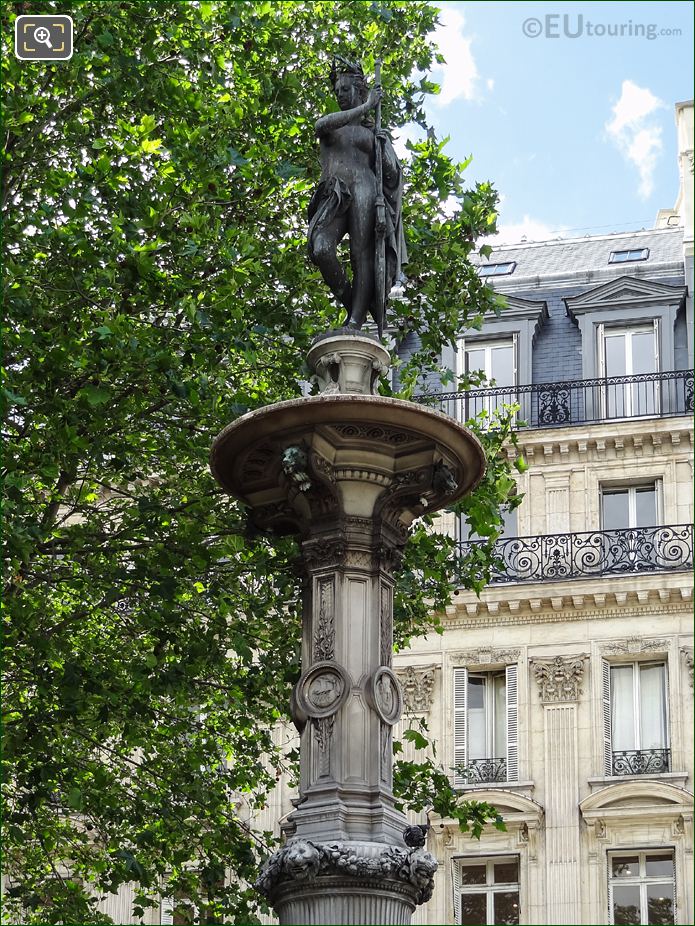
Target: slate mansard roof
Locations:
point(584, 260)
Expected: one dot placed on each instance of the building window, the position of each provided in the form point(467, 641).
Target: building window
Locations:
point(623, 257)
point(496, 270)
point(635, 704)
point(629, 506)
point(485, 726)
point(629, 352)
point(641, 887)
point(486, 890)
point(496, 360)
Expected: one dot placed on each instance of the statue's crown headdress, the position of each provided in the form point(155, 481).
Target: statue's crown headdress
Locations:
point(342, 65)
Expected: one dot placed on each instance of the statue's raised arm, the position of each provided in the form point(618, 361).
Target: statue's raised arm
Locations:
point(345, 201)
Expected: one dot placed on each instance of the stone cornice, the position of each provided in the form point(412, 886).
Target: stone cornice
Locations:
point(621, 596)
point(598, 442)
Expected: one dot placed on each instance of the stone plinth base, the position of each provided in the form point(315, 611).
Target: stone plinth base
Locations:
point(347, 883)
point(348, 362)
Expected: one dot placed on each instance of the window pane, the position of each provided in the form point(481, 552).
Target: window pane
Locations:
point(503, 365)
point(499, 745)
point(643, 353)
point(506, 872)
point(660, 903)
point(645, 507)
point(653, 707)
point(473, 909)
point(476, 718)
point(510, 523)
point(472, 874)
point(625, 866)
point(615, 354)
point(622, 709)
point(475, 360)
point(506, 907)
point(659, 865)
point(616, 512)
point(626, 910)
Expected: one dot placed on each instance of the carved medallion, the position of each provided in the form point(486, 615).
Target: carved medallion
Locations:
point(384, 695)
point(323, 689)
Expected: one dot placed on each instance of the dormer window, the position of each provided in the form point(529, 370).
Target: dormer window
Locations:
point(497, 270)
point(623, 257)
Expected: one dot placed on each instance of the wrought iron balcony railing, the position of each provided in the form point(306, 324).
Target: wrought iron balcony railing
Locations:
point(641, 761)
point(479, 771)
point(549, 405)
point(552, 557)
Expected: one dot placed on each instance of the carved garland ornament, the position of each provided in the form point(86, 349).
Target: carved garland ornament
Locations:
point(559, 680)
point(635, 645)
point(484, 657)
point(303, 861)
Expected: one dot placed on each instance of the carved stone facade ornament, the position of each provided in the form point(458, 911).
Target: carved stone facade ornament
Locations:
point(687, 652)
point(304, 860)
point(323, 689)
point(485, 657)
point(559, 680)
point(324, 635)
point(417, 684)
point(634, 645)
point(384, 695)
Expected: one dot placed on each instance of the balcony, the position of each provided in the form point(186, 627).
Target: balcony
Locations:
point(551, 405)
point(481, 771)
point(641, 762)
point(590, 554)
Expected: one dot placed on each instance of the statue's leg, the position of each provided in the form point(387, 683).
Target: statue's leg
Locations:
point(325, 247)
point(362, 217)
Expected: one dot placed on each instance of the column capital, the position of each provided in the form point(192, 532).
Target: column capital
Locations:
point(559, 679)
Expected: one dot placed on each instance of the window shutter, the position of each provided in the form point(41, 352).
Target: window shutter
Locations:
point(600, 350)
point(166, 914)
point(667, 712)
point(607, 747)
point(512, 725)
point(460, 723)
point(456, 881)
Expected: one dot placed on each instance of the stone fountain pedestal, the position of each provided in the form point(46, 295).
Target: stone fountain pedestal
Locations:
point(346, 471)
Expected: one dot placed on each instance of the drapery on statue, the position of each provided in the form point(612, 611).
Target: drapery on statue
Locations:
point(359, 195)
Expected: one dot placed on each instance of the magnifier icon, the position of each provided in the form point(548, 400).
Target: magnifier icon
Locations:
point(41, 34)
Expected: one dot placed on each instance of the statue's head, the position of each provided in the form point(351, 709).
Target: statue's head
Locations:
point(348, 81)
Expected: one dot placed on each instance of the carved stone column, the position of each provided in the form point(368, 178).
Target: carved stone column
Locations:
point(559, 682)
point(347, 472)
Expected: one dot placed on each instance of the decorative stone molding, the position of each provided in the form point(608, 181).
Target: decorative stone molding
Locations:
point(687, 653)
point(559, 679)
point(324, 635)
point(323, 689)
point(485, 657)
point(417, 684)
point(634, 645)
point(303, 860)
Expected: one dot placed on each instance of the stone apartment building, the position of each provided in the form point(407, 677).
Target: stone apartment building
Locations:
point(564, 694)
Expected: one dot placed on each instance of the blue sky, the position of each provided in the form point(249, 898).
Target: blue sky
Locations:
point(576, 133)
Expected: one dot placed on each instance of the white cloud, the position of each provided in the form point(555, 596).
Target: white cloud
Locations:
point(459, 77)
point(404, 133)
point(528, 229)
point(635, 131)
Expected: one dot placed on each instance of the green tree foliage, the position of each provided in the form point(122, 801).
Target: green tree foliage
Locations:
point(154, 199)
